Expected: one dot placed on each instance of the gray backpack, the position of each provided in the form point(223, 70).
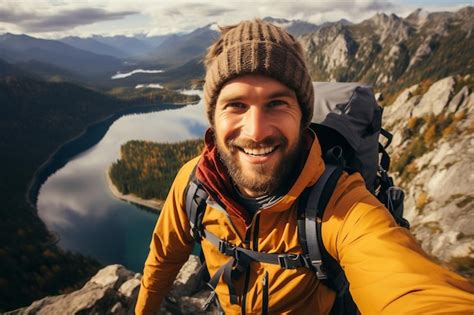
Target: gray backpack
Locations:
point(347, 121)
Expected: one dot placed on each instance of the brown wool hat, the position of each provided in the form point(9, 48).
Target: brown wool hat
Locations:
point(257, 47)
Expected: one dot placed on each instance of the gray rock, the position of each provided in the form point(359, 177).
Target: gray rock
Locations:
point(118, 309)
point(458, 100)
point(338, 52)
point(468, 104)
point(112, 275)
point(436, 99)
point(402, 106)
point(423, 51)
point(188, 279)
point(130, 288)
point(443, 223)
point(114, 290)
point(98, 296)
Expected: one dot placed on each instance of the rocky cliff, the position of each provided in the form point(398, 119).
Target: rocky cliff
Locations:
point(433, 161)
point(387, 49)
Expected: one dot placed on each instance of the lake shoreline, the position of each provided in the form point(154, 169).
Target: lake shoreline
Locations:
point(153, 204)
point(50, 166)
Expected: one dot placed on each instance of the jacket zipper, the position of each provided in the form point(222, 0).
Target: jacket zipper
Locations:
point(244, 296)
point(253, 231)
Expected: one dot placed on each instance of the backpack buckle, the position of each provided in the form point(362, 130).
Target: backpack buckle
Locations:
point(228, 249)
point(290, 261)
point(317, 264)
point(197, 233)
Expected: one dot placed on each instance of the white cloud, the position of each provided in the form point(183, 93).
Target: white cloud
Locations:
point(55, 18)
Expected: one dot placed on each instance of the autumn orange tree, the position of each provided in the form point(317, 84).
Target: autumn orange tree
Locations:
point(147, 169)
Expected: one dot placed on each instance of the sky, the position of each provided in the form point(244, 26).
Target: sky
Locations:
point(60, 18)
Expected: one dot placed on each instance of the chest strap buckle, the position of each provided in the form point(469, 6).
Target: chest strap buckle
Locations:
point(292, 261)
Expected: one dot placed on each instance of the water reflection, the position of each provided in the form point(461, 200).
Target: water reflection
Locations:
point(76, 203)
point(119, 75)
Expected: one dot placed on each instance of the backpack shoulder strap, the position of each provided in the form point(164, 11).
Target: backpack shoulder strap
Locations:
point(195, 204)
point(310, 222)
point(312, 208)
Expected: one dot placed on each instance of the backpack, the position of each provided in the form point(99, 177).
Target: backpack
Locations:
point(348, 123)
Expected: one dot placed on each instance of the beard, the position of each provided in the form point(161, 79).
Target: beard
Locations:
point(261, 179)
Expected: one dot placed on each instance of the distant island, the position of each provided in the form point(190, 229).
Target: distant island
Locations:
point(145, 171)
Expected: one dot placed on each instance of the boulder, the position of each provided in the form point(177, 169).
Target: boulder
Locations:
point(436, 99)
point(402, 105)
point(114, 290)
point(98, 296)
point(458, 100)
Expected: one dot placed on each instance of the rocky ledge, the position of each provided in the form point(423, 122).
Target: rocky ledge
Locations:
point(114, 290)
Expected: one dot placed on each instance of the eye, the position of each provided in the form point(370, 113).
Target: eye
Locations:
point(235, 105)
point(277, 103)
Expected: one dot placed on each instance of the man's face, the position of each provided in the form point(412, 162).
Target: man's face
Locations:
point(257, 124)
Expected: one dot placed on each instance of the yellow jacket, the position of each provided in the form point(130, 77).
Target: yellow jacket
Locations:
point(388, 271)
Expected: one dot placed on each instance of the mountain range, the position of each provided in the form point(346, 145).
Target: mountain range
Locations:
point(24, 48)
point(387, 51)
point(391, 52)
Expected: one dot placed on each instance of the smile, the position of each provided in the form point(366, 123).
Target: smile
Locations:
point(259, 152)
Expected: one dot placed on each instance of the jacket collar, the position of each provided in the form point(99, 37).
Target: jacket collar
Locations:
point(212, 173)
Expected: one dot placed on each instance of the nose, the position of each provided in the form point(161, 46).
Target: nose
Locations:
point(256, 125)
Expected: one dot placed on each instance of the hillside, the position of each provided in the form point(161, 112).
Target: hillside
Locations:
point(37, 117)
point(23, 48)
point(179, 49)
point(7, 69)
point(95, 46)
point(391, 52)
point(433, 161)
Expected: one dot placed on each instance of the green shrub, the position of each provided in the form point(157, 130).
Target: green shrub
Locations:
point(463, 265)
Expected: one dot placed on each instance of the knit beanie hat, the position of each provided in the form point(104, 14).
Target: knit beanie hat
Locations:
point(257, 47)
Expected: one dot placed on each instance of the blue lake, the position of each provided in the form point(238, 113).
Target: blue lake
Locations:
point(76, 204)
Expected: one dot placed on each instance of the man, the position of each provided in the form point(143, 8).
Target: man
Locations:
point(259, 158)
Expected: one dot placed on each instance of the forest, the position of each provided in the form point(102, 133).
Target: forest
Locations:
point(147, 169)
point(36, 118)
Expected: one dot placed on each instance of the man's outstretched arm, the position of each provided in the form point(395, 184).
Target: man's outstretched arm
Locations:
point(388, 271)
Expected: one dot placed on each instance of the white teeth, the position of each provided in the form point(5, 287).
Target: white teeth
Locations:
point(259, 151)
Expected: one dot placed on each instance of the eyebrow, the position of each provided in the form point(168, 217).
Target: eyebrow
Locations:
point(282, 93)
point(276, 94)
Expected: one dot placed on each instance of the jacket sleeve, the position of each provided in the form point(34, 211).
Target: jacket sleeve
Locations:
point(388, 271)
point(170, 247)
